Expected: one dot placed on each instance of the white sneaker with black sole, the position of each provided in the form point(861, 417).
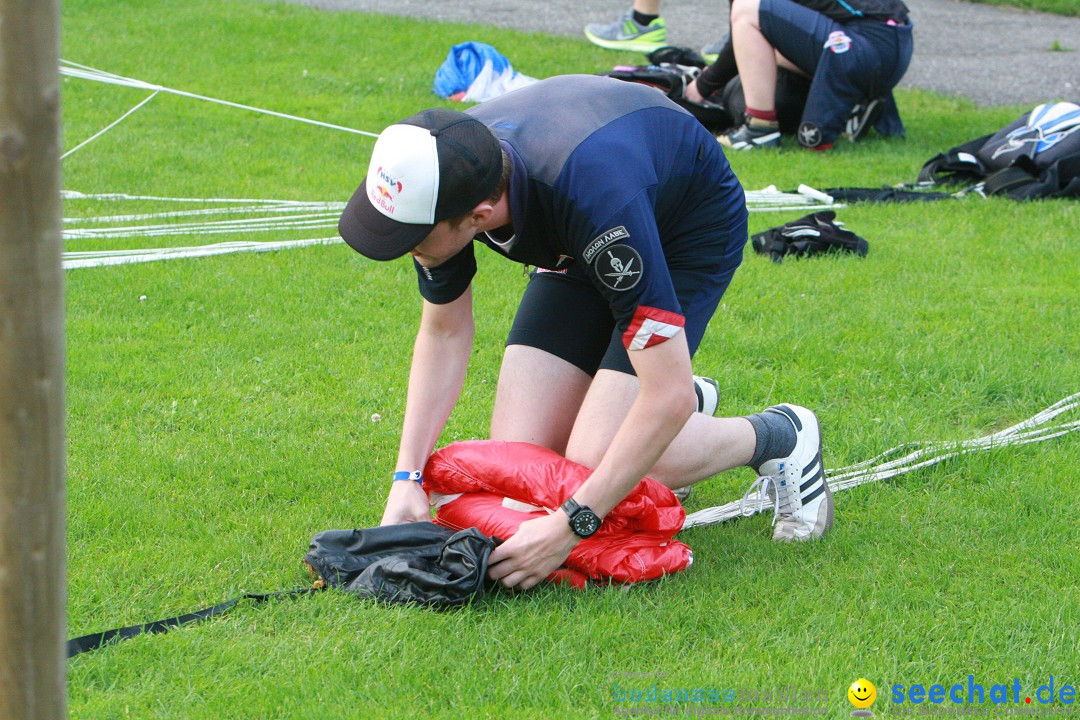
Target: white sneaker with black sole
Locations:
point(708, 394)
point(796, 484)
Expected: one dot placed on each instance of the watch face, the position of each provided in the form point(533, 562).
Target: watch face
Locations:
point(586, 523)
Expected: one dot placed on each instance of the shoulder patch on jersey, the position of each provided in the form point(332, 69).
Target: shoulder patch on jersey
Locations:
point(618, 267)
point(602, 241)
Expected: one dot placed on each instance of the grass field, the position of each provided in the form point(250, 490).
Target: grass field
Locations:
point(219, 413)
point(1058, 7)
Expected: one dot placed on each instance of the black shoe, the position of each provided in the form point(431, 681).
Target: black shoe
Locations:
point(863, 117)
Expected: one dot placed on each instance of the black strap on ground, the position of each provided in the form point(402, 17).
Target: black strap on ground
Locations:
point(886, 194)
point(93, 641)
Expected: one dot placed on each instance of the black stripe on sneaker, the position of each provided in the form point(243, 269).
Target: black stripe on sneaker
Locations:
point(813, 466)
point(700, 398)
point(809, 498)
point(790, 413)
point(819, 475)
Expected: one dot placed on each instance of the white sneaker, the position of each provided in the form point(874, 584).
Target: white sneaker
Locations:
point(796, 484)
point(708, 394)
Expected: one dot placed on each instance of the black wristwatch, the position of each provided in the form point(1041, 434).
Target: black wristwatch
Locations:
point(583, 521)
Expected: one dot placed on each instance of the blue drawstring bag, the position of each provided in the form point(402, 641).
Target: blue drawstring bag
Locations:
point(464, 64)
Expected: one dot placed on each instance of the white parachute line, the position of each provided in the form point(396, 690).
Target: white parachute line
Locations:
point(1062, 406)
point(784, 208)
point(174, 232)
point(76, 195)
point(943, 451)
point(85, 72)
point(1031, 430)
point(317, 220)
point(73, 261)
point(110, 126)
point(239, 210)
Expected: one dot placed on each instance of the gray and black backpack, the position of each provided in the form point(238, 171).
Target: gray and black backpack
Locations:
point(1037, 156)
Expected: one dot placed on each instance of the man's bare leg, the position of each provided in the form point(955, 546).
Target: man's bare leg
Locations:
point(538, 397)
point(705, 446)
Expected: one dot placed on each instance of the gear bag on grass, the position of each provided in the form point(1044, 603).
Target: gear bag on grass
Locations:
point(792, 91)
point(419, 563)
point(1036, 156)
point(809, 235)
point(671, 69)
point(672, 79)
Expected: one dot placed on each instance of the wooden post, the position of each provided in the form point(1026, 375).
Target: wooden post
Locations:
point(32, 597)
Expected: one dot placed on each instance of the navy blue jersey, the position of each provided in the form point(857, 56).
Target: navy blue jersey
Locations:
point(612, 180)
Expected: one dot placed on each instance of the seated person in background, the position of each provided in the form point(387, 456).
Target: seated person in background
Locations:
point(856, 51)
point(719, 85)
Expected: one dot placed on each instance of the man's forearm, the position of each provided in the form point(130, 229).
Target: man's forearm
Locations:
point(437, 374)
point(664, 403)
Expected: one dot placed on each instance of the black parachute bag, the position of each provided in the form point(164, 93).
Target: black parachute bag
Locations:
point(420, 563)
point(670, 70)
point(792, 90)
point(1035, 156)
point(809, 235)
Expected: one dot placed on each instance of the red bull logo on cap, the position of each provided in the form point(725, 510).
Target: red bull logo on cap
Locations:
point(384, 190)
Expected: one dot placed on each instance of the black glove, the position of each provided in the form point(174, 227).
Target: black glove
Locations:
point(809, 235)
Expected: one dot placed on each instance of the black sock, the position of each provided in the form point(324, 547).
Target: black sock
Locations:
point(641, 19)
point(775, 436)
point(717, 75)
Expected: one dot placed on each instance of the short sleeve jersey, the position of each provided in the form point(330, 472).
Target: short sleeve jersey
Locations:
point(614, 179)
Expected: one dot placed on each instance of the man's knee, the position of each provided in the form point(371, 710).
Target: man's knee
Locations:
point(745, 12)
point(606, 405)
point(537, 399)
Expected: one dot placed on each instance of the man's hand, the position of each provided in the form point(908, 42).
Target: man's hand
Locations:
point(536, 550)
point(407, 502)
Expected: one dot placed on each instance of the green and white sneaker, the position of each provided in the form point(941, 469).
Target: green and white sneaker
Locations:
point(795, 485)
point(627, 34)
point(712, 51)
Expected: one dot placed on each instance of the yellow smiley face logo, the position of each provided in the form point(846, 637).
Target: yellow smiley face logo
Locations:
point(862, 693)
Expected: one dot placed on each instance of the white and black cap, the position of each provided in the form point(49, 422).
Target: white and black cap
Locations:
point(434, 165)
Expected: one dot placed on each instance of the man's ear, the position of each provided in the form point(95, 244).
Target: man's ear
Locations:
point(482, 213)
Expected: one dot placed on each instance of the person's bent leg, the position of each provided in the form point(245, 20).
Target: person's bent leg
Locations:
point(705, 446)
point(538, 397)
point(754, 56)
point(559, 335)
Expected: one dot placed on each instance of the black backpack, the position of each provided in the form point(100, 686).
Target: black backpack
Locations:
point(671, 69)
point(1036, 156)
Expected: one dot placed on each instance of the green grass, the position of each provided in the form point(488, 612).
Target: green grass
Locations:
point(1058, 7)
point(219, 423)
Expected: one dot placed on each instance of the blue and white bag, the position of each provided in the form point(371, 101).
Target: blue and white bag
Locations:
point(1038, 155)
point(475, 72)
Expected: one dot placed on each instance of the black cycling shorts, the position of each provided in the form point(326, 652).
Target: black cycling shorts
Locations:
point(564, 314)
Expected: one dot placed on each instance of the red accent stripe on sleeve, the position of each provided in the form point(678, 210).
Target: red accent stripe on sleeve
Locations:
point(651, 326)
